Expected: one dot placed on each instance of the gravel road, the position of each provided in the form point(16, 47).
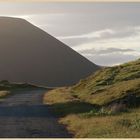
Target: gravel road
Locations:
point(23, 115)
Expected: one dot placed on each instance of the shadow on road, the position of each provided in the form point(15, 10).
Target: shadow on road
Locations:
point(23, 115)
point(24, 111)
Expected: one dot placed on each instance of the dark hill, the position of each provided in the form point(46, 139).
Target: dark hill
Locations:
point(28, 54)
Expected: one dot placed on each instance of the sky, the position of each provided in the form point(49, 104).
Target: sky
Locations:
point(105, 33)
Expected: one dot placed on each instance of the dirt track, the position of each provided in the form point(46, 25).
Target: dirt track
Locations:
point(23, 115)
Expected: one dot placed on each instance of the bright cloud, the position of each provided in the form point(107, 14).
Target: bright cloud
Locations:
point(131, 41)
point(119, 49)
point(96, 34)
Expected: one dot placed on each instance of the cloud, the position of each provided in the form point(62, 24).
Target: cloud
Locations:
point(96, 34)
point(113, 50)
point(111, 56)
point(107, 51)
point(102, 32)
point(131, 41)
point(111, 59)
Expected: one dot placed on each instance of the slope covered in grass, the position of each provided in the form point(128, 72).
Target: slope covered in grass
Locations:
point(105, 86)
point(102, 105)
point(110, 84)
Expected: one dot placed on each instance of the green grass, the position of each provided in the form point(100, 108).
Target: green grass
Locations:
point(4, 94)
point(86, 120)
point(109, 84)
point(124, 125)
point(93, 107)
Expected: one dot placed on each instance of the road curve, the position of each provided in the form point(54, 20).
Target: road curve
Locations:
point(23, 115)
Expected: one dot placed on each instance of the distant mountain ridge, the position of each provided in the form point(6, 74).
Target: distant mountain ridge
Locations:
point(30, 55)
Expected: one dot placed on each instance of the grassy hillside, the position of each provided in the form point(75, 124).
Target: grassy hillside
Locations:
point(110, 84)
point(107, 102)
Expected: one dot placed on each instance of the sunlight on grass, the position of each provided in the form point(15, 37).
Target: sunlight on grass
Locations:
point(4, 93)
point(103, 105)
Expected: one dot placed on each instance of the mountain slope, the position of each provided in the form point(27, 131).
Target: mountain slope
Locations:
point(110, 84)
point(105, 86)
point(30, 55)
